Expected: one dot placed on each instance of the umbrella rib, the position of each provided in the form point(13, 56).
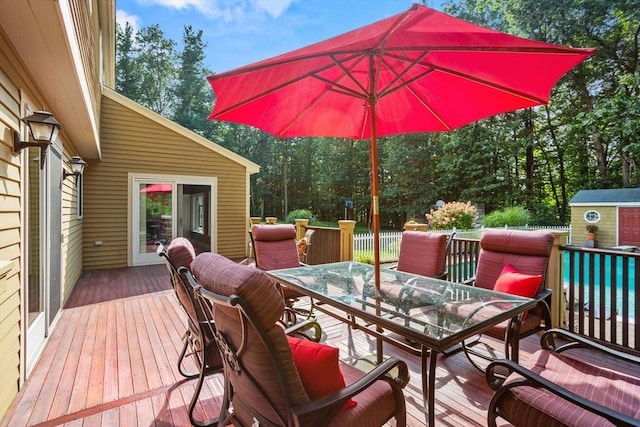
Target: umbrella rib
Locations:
point(391, 86)
point(332, 85)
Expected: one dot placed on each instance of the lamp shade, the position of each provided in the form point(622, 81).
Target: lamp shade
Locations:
point(77, 165)
point(43, 126)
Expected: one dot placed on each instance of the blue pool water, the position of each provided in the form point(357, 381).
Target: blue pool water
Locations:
point(607, 283)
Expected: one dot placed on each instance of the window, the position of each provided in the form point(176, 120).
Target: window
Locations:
point(592, 216)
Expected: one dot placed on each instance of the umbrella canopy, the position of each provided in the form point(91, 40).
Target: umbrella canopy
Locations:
point(418, 71)
point(157, 188)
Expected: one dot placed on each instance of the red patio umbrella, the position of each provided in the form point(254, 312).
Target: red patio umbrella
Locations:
point(157, 188)
point(418, 71)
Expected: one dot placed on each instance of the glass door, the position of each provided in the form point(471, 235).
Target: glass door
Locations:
point(164, 208)
point(155, 208)
point(36, 320)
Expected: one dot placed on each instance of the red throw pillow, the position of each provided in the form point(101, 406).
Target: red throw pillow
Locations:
point(511, 281)
point(318, 368)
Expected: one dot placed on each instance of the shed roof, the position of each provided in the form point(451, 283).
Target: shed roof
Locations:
point(614, 196)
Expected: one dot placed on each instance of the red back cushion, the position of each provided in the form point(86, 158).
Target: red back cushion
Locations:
point(511, 281)
point(275, 246)
point(529, 250)
point(422, 253)
point(318, 368)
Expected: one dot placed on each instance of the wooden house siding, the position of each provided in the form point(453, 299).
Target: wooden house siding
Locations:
point(15, 88)
point(10, 235)
point(72, 236)
point(139, 143)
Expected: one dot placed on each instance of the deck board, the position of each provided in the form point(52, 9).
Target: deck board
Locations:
point(111, 361)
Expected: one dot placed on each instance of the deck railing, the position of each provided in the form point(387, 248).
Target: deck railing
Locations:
point(601, 296)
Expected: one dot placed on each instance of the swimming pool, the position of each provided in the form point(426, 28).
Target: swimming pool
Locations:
point(606, 262)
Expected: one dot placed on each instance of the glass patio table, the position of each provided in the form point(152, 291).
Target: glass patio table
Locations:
point(421, 315)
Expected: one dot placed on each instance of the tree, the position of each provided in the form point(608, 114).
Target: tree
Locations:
point(156, 59)
point(193, 95)
point(127, 70)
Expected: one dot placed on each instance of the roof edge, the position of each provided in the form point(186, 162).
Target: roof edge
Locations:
point(252, 167)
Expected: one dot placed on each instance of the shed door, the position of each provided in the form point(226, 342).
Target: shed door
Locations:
point(629, 226)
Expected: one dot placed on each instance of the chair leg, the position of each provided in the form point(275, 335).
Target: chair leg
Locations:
point(204, 371)
point(187, 338)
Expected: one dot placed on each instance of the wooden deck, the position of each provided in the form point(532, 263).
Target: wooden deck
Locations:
point(111, 361)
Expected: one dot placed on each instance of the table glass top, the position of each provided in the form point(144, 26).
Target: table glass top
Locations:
point(415, 304)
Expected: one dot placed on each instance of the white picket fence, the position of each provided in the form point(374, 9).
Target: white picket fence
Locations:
point(390, 241)
point(389, 245)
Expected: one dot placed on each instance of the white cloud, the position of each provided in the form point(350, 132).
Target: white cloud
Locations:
point(275, 8)
point(122, 17)
point(230, 11)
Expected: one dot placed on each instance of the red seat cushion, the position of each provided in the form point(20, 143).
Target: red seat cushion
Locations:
point(317, 365)
point(511, 281)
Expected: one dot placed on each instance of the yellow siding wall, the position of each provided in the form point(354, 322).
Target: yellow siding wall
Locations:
point(13, 84)
point(607, 226)
point(132, 142)
point(10, 247)
point(71, 232)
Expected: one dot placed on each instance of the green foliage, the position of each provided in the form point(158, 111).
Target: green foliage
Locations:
point(365, 258)
point(515, 216)
point(158, 205)
point(457, 215)
point(300, 214)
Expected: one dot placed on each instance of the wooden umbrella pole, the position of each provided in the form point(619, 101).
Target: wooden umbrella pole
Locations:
point(374, 197)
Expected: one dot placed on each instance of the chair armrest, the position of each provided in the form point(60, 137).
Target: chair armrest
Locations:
point(547, 341)
point(299, 328)
point(496, 377)
point(334, 401)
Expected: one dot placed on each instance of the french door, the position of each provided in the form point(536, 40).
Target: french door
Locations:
point(44, 259)
point(164, 208)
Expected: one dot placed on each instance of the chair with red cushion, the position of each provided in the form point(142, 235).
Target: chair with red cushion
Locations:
point(199, 344)
point(272, 379)
point(571, 381)
point(424, 253)
point(274, 248)
point(515, 262)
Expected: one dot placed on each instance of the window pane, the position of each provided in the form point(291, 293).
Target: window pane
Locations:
point(155, 215)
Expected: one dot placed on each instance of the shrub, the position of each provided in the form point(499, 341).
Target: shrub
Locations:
point(300, 214)
point(515, 216)
point(366, 259)
point(453, 214)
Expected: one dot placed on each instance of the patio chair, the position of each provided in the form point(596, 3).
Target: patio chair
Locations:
point(510, 261)
point(275, 247)
point(423, 253)
point(199, 343)
point(570, 381)
point(274, 380)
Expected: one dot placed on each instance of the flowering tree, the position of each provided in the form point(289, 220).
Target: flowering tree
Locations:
point(453, 214)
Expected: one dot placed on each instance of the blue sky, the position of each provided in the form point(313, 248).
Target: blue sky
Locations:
point(239, 32)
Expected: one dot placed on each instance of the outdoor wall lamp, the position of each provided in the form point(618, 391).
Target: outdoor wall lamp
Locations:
point(77, 167)
point(44, 128)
